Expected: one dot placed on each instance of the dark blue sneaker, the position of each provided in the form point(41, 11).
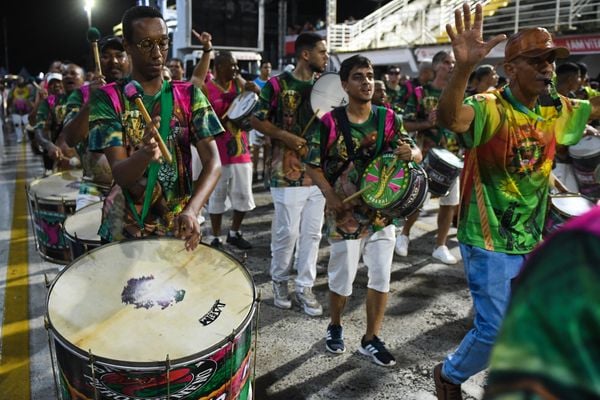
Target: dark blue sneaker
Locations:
point(335, 339)
point(375, 349)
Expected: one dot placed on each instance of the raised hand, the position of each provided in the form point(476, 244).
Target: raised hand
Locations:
point(467, 41)
point(204, 38)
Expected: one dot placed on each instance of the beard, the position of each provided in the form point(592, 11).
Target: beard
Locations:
point(316, 68)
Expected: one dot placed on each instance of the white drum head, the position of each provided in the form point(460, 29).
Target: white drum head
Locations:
point(63, 186)
point(141, 300)
point(242, 105)
point(447, 156)
point(84, 223)
point(571, 204)
point(588, 146)
point(327, 93)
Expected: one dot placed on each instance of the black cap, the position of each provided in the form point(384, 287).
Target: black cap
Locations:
point(113, 42)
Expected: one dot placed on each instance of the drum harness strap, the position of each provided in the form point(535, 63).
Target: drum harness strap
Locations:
point(341, 121)
point(166, 104)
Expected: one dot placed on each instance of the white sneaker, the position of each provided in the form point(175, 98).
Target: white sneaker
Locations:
point(308, 301)
point(443, 254)
point(402, 245)
point(281, 295)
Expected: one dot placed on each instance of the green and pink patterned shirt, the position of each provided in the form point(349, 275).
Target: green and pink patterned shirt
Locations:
point(507, 167)
point(115, 121)
point(284, 100)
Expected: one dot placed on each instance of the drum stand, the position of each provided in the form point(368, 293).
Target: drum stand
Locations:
point(52, 358)
point(253, 383)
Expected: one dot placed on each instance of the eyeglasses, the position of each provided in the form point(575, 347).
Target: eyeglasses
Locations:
point(394, 72)
point(147, 45)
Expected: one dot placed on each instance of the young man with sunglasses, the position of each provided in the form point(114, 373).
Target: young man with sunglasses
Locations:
point(181, 115)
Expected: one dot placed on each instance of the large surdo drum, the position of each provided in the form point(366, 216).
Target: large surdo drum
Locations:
point(586, 163)
point(51, 200)
point(146, 319)
point(81, 229)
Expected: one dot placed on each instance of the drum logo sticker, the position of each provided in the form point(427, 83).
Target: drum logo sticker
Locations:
point(120, 384)
point(146, 293)
point(213, 314)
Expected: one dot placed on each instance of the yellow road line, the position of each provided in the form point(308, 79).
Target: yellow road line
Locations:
point(14, 359)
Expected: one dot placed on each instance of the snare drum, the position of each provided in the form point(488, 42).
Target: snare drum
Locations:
point(442, 167)
point(51, 200)
point(81, 229)
point(327, 93)
point(393, 187)
point(145, 319)
point(586, 158)
point(240, 110)
point(563, 206)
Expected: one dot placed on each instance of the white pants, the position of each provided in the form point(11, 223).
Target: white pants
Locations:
point(298, 218)
point(234, 189)
point(377, 252)
point(19, 122)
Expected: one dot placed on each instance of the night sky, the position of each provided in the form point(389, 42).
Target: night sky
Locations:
point(39, 31)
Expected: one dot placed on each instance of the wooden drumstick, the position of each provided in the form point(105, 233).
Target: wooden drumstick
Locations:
point(557, 183)
point(133, 92)
point(355, 195)
point(309, 122)
point(93, 36)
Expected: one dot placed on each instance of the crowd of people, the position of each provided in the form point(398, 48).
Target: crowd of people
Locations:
point(505, 133)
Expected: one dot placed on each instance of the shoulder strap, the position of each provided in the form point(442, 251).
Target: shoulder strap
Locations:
point(276, 90)
point(113, 94)
point(85, 93)
point(182, 96)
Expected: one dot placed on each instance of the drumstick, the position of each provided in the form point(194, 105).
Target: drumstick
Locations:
point(356, 194)
point(133, 91)
point(557, 184)
point(309, 122)
point(93, 35)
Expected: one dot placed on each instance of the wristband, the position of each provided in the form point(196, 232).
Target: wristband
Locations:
point(207, 50)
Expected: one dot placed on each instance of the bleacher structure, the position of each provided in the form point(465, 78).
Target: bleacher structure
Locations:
point(408, 23)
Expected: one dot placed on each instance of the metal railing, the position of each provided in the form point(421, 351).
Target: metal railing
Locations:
point(413, 22)
point(563, 16)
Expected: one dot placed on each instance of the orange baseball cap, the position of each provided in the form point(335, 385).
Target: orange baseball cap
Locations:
point(532, 42)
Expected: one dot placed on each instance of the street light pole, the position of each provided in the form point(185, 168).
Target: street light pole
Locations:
point(88, 5)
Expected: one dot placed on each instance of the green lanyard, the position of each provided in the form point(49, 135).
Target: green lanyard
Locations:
point(166, 109)
point(520, 107)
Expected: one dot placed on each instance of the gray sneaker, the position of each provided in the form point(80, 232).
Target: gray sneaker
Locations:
point(309, 302)
point(281, 295)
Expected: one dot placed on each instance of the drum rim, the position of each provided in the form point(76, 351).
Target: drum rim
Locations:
point(323, 112)
point(437, 149)
point(150, 365)
point(76, 239)
point(567, 195)
point(237, 100)
point(581, 143)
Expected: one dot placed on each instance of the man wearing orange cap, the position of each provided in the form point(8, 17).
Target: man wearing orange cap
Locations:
point(510, 138)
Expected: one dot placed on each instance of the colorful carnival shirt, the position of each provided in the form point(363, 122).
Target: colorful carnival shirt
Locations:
point(285, 101)
point(51, 114)
point(115, 121)
point(397, 97)
point(21, 99)
point(549, 338)
point(361, 221)
point(507, 166)
point(423, 101)
point(97, 176)
point(233, 145)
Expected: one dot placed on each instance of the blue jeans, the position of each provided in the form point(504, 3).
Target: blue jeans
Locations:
point(489, 276)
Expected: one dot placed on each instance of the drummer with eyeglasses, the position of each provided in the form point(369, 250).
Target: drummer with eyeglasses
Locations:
point(346, 140)
point(153, 193)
